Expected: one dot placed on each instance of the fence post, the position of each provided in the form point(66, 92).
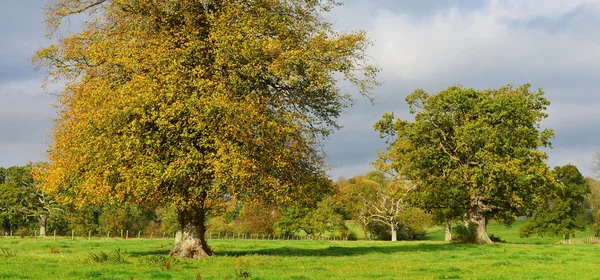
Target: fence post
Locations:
point(54, 235)
point(139, 233)
point(121, 234)
point(127, 235)
point(72, 235)
point(108, 235)
point(90, 235)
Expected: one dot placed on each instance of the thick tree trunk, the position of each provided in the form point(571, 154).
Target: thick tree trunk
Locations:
point(477, 218)
point(43, 222)
point(394, 232)
point(190, 240)
point(448, 230)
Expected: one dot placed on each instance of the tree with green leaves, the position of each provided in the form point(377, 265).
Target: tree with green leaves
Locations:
point(19, 195)
point(313, 219)
point(414, 223)
point(325, 217)
point(476, 152)
point(562, 214)
point(190, 102)
point(593, 203)
point(356, 195)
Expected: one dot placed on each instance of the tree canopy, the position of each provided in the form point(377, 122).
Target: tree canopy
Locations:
point(188, 102)
point(20, 198)
point(563, 213)
point(474, 152)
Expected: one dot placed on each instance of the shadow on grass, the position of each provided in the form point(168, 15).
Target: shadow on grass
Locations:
point(345, 251)
point(148, 253)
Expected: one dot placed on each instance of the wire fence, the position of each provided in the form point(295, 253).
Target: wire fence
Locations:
point(126, 234)
point(587, 240)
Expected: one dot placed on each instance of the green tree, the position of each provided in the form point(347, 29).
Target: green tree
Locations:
point(291, 220)
point(356, 195)
point(189, 102)
point(564, 213)
point(414, 223)
point(2, 175)
point(473, 151)
point(324, 218)
point(593, 203)
point(115, 218)
point(259, 219)
point(20, 198)
point(314, 220)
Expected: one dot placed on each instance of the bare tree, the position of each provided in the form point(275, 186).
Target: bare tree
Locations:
point(385, 211)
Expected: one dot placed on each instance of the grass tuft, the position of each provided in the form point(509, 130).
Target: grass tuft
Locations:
point(7, 253)
point(101, 257)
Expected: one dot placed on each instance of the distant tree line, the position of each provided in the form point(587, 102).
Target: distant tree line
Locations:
point(25, 210)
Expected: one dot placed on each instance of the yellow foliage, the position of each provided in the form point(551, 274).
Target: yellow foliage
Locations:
point(188, 101)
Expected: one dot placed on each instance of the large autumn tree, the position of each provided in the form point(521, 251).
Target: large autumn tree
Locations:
point(473, 152)
point(189, 102)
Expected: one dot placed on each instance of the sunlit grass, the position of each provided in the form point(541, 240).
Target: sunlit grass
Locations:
point(262, 259)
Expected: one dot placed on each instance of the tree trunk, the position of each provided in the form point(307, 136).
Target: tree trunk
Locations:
point(43, 222)
point(448, 230)
point(394, 232)
point(190, 240)
point(477, 218)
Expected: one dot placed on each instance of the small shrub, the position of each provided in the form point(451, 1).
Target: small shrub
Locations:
point(243, 274)
point(464, 234)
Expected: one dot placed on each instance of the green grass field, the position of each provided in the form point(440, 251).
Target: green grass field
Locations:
point(261, 259)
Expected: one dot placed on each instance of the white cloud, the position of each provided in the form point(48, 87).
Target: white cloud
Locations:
point(454, 44)
point(551, 44)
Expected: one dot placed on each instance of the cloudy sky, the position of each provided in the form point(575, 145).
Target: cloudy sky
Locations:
point(429, 44)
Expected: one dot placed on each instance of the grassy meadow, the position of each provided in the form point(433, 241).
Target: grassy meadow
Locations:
point(535, 258)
